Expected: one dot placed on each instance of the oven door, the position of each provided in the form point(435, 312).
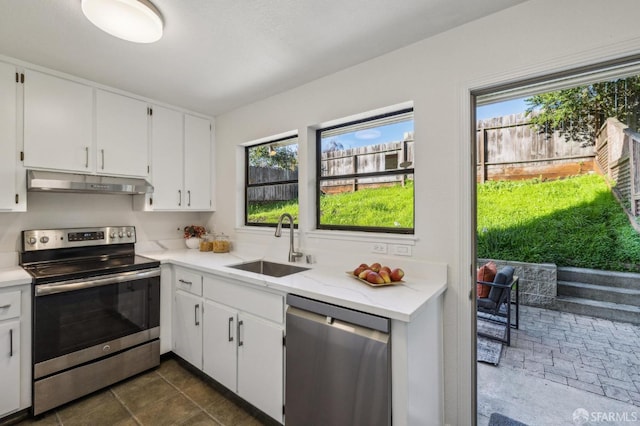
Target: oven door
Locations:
point(82, 320)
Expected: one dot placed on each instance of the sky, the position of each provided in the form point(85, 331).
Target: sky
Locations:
point(378, 135)
point(395, 132)
point(499, 109)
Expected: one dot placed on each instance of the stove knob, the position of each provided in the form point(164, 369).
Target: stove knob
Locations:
point(32, 240)
point(44, 240)
point(129, 234)
point(120, 234)
point(112, 235)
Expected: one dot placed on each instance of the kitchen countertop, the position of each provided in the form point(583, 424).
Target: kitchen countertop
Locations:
point(13, 275)
point(328, 283)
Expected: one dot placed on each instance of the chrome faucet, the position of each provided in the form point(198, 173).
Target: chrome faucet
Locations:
point(293, 255)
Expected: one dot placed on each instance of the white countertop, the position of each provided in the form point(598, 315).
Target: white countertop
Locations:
point(424, 281)
point(13, 275)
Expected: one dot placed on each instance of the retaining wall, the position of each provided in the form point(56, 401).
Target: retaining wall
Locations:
point(537, 281)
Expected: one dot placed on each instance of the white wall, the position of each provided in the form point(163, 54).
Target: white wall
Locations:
point(534, 38)
point(51, 210)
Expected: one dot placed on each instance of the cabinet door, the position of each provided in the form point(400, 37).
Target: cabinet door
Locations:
point(8, 158)
point(10, 366)
point(58, 123)
point(167, 159)
point(122, 135)
point(187, 327)
point(219, 343)
point(197, 163)
point(260, 364)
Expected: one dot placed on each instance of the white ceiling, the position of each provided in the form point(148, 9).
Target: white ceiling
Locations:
point(217, 55)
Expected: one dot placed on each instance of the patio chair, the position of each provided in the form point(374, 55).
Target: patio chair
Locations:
point(498, 303)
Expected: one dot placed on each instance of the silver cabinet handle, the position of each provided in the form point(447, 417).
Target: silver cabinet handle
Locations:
point(189, 198)
point(240, 342)
point(230, 325)
point(11, 342)
point(102, 152)
point(185, 282)
point(86, 159)
point(197, 307)
point(179, 197)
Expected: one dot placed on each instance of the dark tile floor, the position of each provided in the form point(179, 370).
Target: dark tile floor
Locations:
point(168, 395)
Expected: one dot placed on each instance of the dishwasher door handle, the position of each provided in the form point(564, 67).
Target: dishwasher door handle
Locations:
point(331, 322)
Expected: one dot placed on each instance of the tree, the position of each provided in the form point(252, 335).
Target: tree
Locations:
point(579, 112)
point(283, 157)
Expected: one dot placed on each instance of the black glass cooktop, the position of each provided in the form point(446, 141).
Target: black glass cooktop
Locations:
point(77, 263)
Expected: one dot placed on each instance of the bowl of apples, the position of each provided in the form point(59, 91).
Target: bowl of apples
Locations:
point(377, 275)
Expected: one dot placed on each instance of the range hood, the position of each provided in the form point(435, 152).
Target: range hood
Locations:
point(41, 181)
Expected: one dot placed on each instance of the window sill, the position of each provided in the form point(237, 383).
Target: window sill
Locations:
point(366, 237)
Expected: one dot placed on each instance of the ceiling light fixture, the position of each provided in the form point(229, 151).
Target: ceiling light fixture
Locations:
point(132, 20)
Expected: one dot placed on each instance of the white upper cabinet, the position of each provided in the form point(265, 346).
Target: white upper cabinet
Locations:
point(8, 156)
point(58, 123)
point(180, 161)
point(167, 158)
point(197, 163)
point(121, 135)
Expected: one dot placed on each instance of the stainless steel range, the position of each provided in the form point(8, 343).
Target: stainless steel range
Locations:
point(96, 310)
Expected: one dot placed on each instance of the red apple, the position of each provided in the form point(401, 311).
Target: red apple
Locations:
point(359, 269)
point(364, 265)
point(374, 278)
point(397, 274)
point(385, 275)
point(363, 275)
point(375, 267)
point(385, 268)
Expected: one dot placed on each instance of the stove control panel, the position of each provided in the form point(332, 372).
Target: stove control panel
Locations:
point(45, 239)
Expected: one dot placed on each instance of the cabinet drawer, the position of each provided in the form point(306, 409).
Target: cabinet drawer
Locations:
point(189, 281)
point(260, 303)
point(9, 305)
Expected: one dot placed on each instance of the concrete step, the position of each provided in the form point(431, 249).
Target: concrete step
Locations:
point(607, 310)
point(604, 278)
point(599, 293)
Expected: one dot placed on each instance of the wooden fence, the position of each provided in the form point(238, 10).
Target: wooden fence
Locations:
point(282, 192)
point(618, 156)
point(508, 148)
point(373, 158)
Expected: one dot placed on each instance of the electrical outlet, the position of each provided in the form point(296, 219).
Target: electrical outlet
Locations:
point(380, 248)
point(400, 249)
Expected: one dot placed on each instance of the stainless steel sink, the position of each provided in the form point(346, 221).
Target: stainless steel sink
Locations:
point(269, 268)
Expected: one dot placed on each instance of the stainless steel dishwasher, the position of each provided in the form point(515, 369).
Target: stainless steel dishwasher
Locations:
point(338, 366)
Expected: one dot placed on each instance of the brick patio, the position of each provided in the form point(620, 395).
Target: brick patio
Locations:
point(586, 353)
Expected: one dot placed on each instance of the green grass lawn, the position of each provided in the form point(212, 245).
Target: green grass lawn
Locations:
point(385, 207)
point(569, 222)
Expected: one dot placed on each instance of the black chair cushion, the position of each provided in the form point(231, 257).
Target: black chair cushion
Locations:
point(504, 276)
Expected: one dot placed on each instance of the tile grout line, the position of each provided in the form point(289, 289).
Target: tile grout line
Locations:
point(190, 399)
point(133, 416)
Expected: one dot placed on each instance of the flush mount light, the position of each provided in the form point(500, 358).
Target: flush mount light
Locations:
point(132, 20)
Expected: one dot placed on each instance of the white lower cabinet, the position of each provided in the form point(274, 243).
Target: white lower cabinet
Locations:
point(15, 349)
point(219, 343)
point(10, 366)
point(234, 333)
point(187, 327)
point(260, 364)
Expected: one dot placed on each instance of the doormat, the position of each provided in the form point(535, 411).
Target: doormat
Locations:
point(498, 419)
point(488, 350)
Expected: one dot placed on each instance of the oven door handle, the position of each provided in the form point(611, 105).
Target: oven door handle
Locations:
point(73, 285)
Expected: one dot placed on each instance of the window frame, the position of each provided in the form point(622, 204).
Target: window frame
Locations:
point(320, 178)
point(247, 185)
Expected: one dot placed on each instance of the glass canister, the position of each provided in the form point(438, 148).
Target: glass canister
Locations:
point(206, 243)
point(221, 243)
